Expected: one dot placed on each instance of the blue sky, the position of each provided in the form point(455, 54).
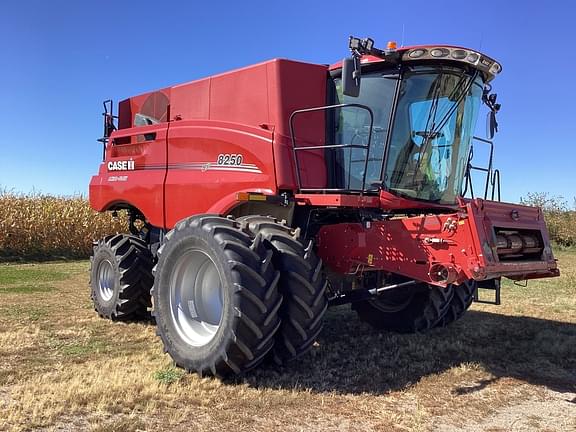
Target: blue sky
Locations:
point(60, 59)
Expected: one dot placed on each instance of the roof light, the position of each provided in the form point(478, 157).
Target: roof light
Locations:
point(459, 54)
point(473, 57)
point(417, 53)
point(495, 68)
point(392, 45)
point(439, 52)
point(369, 44)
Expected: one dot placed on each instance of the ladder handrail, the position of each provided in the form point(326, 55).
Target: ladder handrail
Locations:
point(366, 147)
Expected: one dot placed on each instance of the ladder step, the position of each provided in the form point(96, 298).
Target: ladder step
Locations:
point(490, 285)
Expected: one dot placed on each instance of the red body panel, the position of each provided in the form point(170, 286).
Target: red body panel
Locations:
point(338, 200)
point(196, 184)
point(243, 112)
point(463, 241)
point(142, 186)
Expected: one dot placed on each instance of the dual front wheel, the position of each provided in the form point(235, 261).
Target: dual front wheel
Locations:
point(228, 293)
point(216, 296)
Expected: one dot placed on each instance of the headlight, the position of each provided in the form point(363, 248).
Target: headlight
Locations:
point(479, 61)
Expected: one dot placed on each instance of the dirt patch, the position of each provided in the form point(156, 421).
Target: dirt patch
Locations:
point(548, 411)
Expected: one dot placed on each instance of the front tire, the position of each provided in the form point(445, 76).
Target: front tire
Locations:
point(302, 284)
point(406, 310)
point(121, 277)
point(215, 297)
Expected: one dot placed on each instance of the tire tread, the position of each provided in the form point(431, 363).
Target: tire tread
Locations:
point(255, 296)
point(134, 274)
point(301, 283)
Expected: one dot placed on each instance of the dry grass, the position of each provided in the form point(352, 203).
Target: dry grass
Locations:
point(42, 226)
point(500, 368)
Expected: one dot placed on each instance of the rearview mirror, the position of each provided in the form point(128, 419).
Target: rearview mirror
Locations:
point(491, 124)
point(351, 76)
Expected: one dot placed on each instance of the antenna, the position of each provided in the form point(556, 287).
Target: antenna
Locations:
point(402, 41)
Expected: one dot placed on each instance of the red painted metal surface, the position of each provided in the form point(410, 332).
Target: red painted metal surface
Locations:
point(463, 242)
point(142, 186)
point(243, 112)
point(337, 200)
point(195, 183)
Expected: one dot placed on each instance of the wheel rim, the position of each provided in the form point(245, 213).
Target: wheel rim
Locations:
point(106, 280)
point(196, 297)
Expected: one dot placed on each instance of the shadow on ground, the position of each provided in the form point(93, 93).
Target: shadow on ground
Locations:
point(353, 358)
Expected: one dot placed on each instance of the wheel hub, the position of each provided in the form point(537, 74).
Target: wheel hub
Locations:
point(105, 274)
point(196, 295)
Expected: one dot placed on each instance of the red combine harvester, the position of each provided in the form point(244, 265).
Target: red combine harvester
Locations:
point(259, 197)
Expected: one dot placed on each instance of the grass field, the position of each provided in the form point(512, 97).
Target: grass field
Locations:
point(500, 368)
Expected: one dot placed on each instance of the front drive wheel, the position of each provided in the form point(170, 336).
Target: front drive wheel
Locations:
point(406, 310)
point(215, 297)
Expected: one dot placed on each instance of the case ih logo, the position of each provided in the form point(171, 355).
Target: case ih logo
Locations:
point(125, 165)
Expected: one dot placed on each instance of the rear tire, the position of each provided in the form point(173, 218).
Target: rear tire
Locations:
point(461, 301)
point(121, 277)
point(406, 310)
point(302, 284)
point(215, 296)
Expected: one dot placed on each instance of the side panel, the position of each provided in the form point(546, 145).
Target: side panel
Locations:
point(294, 86)
point(133, 172)
point(484, 240)
point(407, 246)
point(209, 162)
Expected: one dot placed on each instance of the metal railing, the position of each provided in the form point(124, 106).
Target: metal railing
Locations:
point(492, 183)
point(333, 147)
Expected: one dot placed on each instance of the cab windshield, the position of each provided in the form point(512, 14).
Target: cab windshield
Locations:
point(431, 133)
point(433, 127)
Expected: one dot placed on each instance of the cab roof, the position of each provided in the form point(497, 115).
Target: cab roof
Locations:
point(436, 53)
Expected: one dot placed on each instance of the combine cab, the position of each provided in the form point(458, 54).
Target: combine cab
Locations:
point(259, 197)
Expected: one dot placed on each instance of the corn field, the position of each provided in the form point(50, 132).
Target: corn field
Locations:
point(37, 226)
